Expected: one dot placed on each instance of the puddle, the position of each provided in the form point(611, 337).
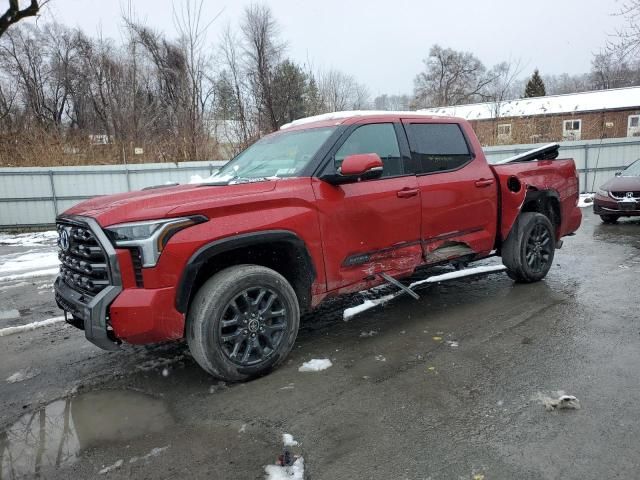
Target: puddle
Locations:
point(56, 435)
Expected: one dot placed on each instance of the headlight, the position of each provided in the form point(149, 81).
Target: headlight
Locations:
point(150, 237)
point(603, 193)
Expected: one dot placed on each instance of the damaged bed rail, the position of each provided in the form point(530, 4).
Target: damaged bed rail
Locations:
point(546, 152)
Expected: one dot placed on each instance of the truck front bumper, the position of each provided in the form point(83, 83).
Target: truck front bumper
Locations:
point(92, 311)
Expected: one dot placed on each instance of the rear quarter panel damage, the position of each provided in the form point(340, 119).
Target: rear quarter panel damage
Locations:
point(555, 176)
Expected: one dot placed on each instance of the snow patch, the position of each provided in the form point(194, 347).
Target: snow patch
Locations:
point(153, 453)
point(30, 326)
point(23, 375)
point(288, 440)
point(31, 260)
point(197, 179)
point(9, 314)
point(340, 116)
point(557, 401)
point(315, 365)
point(292, 472)
point(367, 305)
point(586, 200)
point(33, 239)
point(110, 468)
point(525, 107)
point(35, 274)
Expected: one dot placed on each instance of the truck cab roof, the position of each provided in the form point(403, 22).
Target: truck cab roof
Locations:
point(351, 116)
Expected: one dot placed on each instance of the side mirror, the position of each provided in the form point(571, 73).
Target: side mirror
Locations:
point(360, 165)
point(618, 174)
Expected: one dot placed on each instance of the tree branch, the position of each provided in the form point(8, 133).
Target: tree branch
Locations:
point(14, 14)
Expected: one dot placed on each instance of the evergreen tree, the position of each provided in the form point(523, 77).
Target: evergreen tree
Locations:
point(288, 90)
point(535, 86)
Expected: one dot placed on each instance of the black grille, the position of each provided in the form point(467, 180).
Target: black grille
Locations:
point(84, 264)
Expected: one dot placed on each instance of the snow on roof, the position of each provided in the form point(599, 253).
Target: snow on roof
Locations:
point(553, 104)
point(340, 116)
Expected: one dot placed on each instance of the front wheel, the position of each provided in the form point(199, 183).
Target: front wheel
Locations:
point(609, 219)
point(529, 249)
point(242, 322)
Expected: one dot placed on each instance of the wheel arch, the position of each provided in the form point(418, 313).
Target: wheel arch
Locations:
point(546, 202)
point(280, 250)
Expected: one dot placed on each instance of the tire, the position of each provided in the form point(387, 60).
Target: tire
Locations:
point(609, 219)
point(529, 249)
point(232, 311)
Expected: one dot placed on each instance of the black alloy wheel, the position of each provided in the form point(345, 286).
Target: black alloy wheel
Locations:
point(252, 326)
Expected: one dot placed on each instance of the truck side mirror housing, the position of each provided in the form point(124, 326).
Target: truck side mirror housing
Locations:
point(361, 166)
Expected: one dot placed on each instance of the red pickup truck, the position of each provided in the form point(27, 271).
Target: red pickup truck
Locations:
point(325, 206)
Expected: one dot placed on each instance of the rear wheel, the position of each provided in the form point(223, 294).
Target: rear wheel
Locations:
point(243, 322)
point(609, 219)
point(529, 249)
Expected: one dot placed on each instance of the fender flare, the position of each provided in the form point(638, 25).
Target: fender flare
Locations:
point(217, 247)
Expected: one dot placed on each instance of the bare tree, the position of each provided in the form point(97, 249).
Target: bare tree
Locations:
point(610, 69)
point(502, 86)
point(263, 51)
point(14, 14)
point(450, 77)
point(626, 41)
point(233, 115)
point(339, 91)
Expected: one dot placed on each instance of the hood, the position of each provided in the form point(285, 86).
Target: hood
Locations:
point(158, 202)
point(622, 184)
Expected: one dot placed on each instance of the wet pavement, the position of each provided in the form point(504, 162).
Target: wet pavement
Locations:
point(440, 388)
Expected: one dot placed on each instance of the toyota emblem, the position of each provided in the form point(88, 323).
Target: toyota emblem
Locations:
point(65, 242)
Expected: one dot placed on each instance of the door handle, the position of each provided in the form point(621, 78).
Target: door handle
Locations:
point(484, 182)
point(407, 192)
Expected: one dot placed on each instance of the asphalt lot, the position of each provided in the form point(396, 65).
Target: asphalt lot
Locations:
point(445, 387)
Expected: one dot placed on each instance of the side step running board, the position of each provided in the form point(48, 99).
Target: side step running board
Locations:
point(398, 284)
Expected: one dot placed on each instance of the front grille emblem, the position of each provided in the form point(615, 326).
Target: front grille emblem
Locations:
point(65, 241)
point(629, 194)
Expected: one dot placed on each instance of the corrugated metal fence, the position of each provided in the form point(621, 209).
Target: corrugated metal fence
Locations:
point(34, 196)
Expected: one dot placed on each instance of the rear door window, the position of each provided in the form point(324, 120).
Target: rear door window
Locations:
point(437, 147)
point(377, 138)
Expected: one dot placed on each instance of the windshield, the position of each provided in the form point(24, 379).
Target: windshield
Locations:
point(280, 155)
point(632, 170)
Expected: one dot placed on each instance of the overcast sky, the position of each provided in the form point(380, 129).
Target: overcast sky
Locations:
point(382, 43)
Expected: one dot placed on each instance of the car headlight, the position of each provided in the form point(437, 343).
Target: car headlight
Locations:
point(150, 236)
point(603, 193)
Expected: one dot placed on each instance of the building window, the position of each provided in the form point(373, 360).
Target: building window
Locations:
point(504, 131)
point(633, 130)
point(571, 129)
